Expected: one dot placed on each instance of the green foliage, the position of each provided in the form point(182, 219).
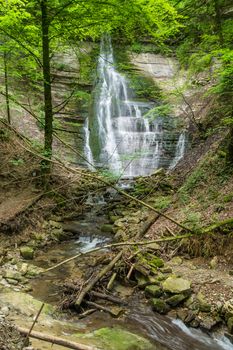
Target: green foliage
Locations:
point(17, 162)
point(192, 219)
point(144, 87)
point(4, 135)
point(162, 202)
point(110, 176)
point(212, 170)
point(163, 110)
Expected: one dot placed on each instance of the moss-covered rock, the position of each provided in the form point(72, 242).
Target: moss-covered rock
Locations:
point(12, 275)
point(157, 262)
point(160, 306)
point(176, 299)
point(176, 285)
point(153, 291)
point(118, 339)
point(27, 252)
point(230, 325)
point(108, 228)
point(203, 305)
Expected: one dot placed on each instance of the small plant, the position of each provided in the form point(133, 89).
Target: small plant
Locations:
point(17, 162)
point(4, 135)
point(162, 202)
point(193, 219)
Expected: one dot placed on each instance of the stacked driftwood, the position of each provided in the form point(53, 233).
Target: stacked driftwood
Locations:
point(129, 266)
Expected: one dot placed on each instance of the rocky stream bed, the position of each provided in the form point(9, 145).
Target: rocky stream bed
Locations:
point(149, 304)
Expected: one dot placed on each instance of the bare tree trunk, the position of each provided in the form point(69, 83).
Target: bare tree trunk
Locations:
point(218, 22)
point(48, 111)
point(230, 146)
point(6, 88)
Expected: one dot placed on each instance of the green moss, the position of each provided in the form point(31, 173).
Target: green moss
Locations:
point(118, 339)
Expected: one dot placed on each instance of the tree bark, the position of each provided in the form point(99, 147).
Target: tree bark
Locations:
point(48, 110)
point(218, 22)
point(6, 88)
point(230, 146)
point(55, 340)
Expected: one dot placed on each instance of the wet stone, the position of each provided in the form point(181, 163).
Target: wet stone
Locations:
point(176, 285)
point(160, 306)
point(27, 252)
point(230, 325)
point(12, 275)
point(153, 291)
point(176, 300)
point(108, 228)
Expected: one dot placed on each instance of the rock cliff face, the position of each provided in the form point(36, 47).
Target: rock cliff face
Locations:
point(165, 72)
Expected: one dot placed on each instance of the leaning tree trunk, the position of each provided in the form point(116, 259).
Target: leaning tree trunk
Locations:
point(6, 88)
point(230, 146)
point(48, 111)
point(218, 22)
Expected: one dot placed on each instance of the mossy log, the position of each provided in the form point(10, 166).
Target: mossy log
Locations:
point(55, 340)
point(228, 223)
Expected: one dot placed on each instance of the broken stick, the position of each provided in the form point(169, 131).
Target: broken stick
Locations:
point(94, 280)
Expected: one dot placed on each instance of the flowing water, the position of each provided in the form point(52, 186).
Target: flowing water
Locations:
point(162, 331)
point(129, 143)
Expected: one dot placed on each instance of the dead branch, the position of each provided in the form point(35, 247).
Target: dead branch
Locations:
point(55, 340)
point(94, 280)
point(33, 324)
point(111, 281)
point(107, 297)
point(104, 308)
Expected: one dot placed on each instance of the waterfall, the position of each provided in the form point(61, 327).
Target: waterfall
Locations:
point(87, 148)
point(180, 149)
point(129, 144)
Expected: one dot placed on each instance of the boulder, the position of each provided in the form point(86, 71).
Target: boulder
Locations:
point(27, 252)
point(214, 262)
point(176, 285)
point(153, 291)
point(166, 269)
point(108, 228)
point(230, 325)
point(203, 305)
point(176, 300)
point(12, 275)
point(177, 260)
point(228, 309)
point(160, 306)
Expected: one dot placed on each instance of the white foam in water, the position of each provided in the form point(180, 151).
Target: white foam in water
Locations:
point(223, 342)
point(89, 242)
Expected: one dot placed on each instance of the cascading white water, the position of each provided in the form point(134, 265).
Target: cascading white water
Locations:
point(87, 148)
point(130, 145)
point(180, 149)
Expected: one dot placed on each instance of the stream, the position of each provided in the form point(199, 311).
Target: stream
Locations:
point(164, 332)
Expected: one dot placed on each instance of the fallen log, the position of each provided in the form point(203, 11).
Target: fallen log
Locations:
point(55, 340)
point(104, 308)
point(94, 280)
point(107, 297)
